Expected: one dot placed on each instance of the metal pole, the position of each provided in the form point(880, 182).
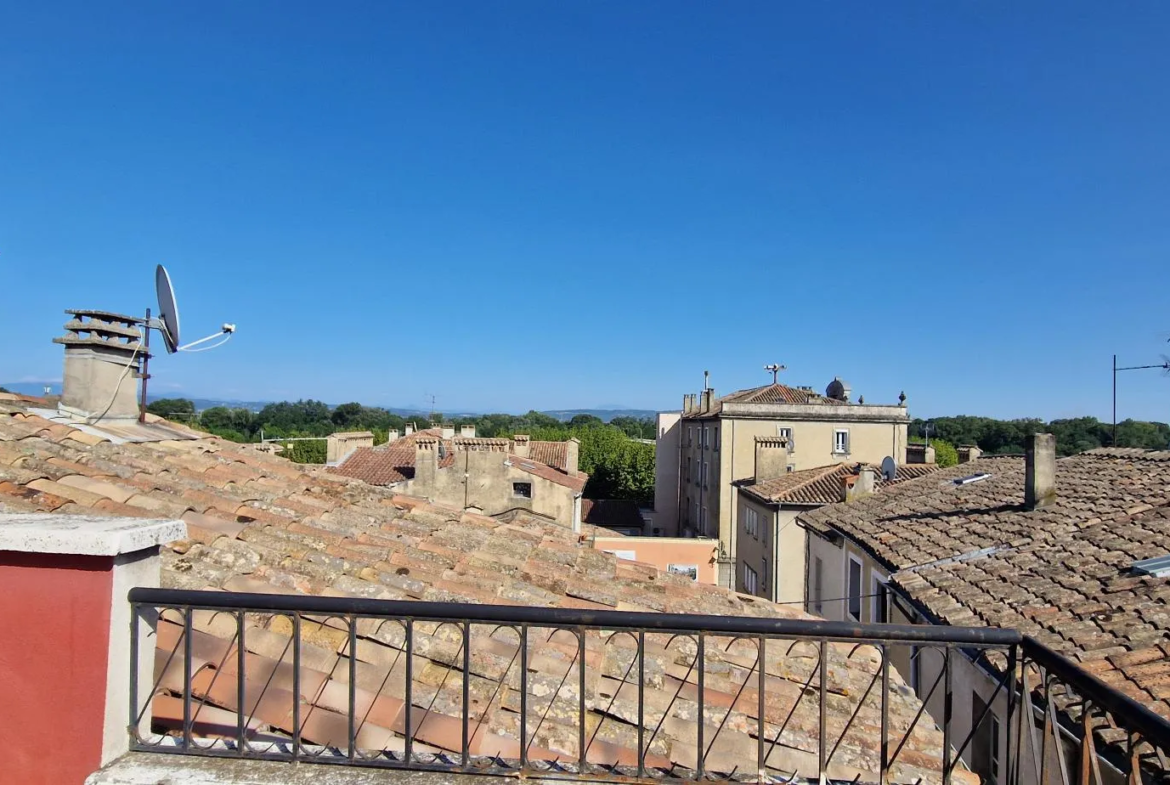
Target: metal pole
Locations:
point(145, 368)
point(1114, 444)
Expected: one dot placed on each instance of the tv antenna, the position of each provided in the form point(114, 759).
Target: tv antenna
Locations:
point(1164, 365)
point(167, 323)
point(431, 416)
point(775, 369)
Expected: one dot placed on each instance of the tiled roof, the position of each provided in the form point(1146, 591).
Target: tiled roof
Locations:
point(1059, 573)
point(611, 512)
point(550, 453)
point(258, 523)
point(824, 484)
point(768, 393)
point(575, 482)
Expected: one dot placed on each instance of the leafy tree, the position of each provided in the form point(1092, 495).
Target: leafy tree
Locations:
point(172, 408)
point(585, 421)
point(306, 452)
point(945, 453)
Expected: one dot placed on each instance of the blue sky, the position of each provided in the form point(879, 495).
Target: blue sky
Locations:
point(517, 205)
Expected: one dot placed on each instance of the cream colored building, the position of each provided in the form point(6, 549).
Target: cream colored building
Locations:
point(714, 441)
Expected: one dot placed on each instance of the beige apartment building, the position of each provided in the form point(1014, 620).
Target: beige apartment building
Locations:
point(712, 445)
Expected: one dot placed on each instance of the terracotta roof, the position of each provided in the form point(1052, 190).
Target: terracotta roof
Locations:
point(550, 453)
point(611, 512)
point(574, 482)
point(1060, 573)
point(824, 484)
point(258, 523)
point(769, 393)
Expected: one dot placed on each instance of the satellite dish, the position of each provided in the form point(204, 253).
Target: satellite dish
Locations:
point(889, 468)
point(168, 310)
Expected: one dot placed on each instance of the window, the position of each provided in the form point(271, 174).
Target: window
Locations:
point(985, 745)
point(522, 490)
point(695, 519)
point(706, 437)
point(751, 522)
point(703, 520)
point(786, 433)
point(764, 573)
point(841, 441)
point(791, 468)
point(690, 435)
point(818, 592)
point(750, 580)
point(854, 591)
point(881, 613)
point(687, 476)
point(716, 440)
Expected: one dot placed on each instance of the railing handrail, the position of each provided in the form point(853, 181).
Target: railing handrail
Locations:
point(1153, 727)
point(575, 617)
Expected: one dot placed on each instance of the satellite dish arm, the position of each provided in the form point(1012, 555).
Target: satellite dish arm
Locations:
point(227, 330)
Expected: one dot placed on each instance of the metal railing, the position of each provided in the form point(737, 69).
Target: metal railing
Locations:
point(232, 672)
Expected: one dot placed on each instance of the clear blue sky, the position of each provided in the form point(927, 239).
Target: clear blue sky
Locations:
point(518, 205)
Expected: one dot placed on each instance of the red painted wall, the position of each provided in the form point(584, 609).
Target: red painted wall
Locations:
point(54, 641)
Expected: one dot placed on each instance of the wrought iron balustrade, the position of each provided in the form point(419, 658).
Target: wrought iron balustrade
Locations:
point(390, 684)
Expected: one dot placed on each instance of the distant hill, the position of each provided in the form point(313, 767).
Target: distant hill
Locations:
point(604, 413)
point(564, 415)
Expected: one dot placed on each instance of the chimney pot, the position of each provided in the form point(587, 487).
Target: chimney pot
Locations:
point(572, 456)
point(863, 485)
point(1040, 471)
point(467, 431)
point(103, 354)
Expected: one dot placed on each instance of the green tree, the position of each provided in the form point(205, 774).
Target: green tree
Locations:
point(586, 421)
point(172, 409)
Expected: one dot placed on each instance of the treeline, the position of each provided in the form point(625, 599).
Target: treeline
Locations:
point(1000, 437)
point(618, 466)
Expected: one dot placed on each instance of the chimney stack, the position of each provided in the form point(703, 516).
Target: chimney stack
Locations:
point(572, 456)
point(1040, 471)
point(467, 431)
point(392, 435)
point(771, 458)
point(863, 485)
point(409, 428)
point(448, 431)
point(969, 452)
point(426, 464)
point(919, 453)
point(103, 354)
point(520, 445)
point(708, 397)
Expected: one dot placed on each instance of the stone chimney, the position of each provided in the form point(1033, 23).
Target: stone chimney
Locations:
point(863, 485)
point(103, 352)
point(771, 458)
point(409, 428)
point(392, 435)
point(919, 453)
point(1040, 471)
point(426, 464)
point(572, 456)
point(520, 445)
point(448, 431)
point(969, 452)
point(339, 446)
point(467, 431)
point(689, 403)
point(708, 399)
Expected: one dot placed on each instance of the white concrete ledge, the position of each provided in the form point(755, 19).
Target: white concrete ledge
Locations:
point(85, 535)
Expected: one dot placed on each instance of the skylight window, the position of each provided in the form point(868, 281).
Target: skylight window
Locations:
point(970, 478)
point(1157, 567)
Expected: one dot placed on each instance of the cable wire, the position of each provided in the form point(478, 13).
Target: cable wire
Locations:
point(117, 387)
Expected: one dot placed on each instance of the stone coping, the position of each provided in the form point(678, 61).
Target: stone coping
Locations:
point(85, 535)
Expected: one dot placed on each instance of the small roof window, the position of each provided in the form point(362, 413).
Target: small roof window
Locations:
point(1158, 567)
point(970, 478)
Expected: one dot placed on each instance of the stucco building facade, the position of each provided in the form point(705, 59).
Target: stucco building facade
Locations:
point(712, 445)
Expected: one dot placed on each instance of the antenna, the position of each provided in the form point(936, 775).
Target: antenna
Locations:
point(706, 380)
point(431, 416)
point(775, 369)
point(889, 468)
point(167, 324)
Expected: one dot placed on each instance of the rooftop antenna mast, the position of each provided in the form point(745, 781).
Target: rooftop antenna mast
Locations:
point(775, 369)
point(706, 381)
point(1164, 365)
point(431, 417)
point(167, 324)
